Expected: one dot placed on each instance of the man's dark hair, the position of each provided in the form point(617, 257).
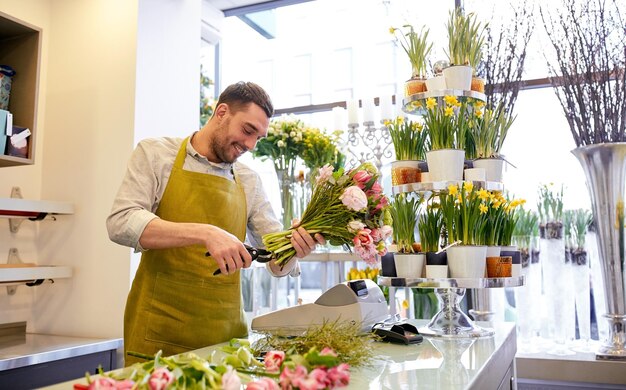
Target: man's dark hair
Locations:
point(238, 95)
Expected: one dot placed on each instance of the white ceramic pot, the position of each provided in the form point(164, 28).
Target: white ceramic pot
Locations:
point(475, 174)
point(458, 77)
point(493, 251)
point(409, 265)
point(445, 164)
point(436, 271)
point(467, 261)
point(437, 83)
point(492, 166)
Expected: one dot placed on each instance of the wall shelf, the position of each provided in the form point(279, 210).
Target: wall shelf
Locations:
point(11, 276)
point(26, 208)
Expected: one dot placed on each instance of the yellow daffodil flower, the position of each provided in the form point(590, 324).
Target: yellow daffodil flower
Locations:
point(387, 122)
point(478, 113)
point(431, 102)
point(468, 186)
point(483, 208)
point(451, 100)
point(405, 304)
point(453, 189)
point(483, 194)
point(449, 111)
point(392, 30)
point(478, 104)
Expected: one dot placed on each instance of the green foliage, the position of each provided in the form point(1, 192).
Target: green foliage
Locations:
point(488, 131)
point(410, 141)
point(416, 46)
point(206, 101)
point(430, 225)
point(550, 205)
point(446, 122)
point(580, 222)
point(466, 36)
point(404, 210)
point(526, 227)
point(343, 337)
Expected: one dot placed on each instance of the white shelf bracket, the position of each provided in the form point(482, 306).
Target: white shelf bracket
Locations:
point(13, 258)
point(14, 223)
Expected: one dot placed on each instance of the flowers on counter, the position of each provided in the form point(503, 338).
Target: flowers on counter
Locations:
point(311, 370)
point(347, 208)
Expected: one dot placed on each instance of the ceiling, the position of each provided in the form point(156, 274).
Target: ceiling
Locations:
point(228, 4)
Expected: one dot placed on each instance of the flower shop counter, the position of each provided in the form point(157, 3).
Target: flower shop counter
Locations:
point(35, 360)
point(486, 363)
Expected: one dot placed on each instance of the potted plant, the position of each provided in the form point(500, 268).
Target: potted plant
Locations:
point(475, 52)
point(403, 210)
point(465, 37)
point(417, 48)
point(430, 226)
point(580, 222)
point(409, 142)
point(510, 218)
point(446, 121)
point(463, 209)
point(488, 132)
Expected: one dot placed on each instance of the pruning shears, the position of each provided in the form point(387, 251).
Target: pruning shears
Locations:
point(260, 255)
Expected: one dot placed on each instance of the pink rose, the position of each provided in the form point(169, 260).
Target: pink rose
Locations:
point(324, 174)
point(354, 198)
point(339, 376)
point(109, 383)
point(291, 377)
point(264, 383)
point(362, 178)
point(230, 380)
point(160, 379)
point(316, 380)
point(386, 231)
point(363, 238)
point(273, 360)
point(367, 253)
point(376, 235)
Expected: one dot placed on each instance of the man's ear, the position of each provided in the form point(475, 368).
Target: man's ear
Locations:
point(221, 110)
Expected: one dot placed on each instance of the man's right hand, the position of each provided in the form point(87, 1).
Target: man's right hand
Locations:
point(225, 248)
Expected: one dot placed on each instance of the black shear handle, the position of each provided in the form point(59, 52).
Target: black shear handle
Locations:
point(254, 252)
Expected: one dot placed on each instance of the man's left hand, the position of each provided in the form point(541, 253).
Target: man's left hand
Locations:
point(302, 241)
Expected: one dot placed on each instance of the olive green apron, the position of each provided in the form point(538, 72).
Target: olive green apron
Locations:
point(175, 303)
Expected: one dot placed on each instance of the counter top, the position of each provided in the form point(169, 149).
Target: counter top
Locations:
point(581, 367)
point(41, 348)
point(433, 364)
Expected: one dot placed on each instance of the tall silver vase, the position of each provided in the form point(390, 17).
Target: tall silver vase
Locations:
point(605, 169)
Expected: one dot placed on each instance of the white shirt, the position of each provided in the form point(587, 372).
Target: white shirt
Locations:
point(147, 176)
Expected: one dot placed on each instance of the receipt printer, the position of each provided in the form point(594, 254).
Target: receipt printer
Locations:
point(360, 301)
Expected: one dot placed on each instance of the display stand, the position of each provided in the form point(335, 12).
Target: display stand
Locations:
point(451, 321)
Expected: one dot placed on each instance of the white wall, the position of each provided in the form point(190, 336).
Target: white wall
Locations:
point(19, 307)
point(109, 71)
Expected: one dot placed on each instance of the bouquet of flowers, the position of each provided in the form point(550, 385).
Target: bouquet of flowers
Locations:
point(347, 208)
point(283, 144)
point(311, 370)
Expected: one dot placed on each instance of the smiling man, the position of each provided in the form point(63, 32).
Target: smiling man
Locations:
point(182, 198)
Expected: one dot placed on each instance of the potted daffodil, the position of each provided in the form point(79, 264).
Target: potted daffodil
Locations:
point(417, 48)
point(403, 210)
point(465, 40)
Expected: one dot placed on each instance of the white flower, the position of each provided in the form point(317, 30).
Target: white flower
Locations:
point(355, 225)
point(280, 143)
point(292, 134)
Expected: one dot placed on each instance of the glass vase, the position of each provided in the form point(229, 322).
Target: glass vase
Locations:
point(557, 283)
point(286, 184)
point(525, 302)
point(580, 274)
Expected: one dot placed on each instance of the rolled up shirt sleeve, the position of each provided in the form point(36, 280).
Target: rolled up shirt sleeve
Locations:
point(138, 196)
